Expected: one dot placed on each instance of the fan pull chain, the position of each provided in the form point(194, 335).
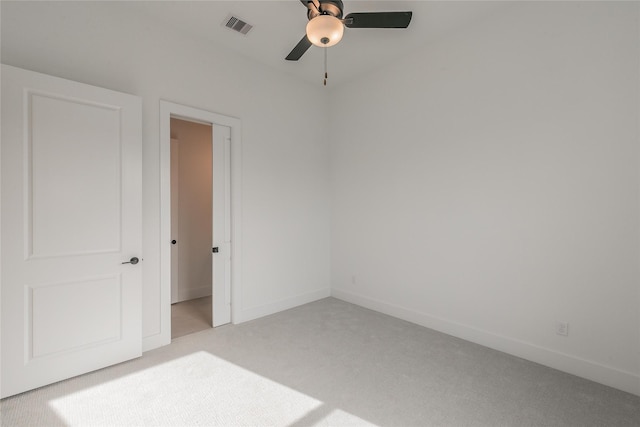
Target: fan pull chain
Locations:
point(325, 66)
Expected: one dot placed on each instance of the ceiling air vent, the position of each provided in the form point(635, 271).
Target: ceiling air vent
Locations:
point(237, 24)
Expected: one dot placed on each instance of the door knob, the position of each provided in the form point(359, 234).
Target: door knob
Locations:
point(173, 242)
point(133, 260)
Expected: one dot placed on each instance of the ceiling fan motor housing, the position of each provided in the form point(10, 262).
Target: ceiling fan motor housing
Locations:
point(327, 7)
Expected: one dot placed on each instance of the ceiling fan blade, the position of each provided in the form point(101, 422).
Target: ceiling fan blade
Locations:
point(378, 20)
point(299, 50)
point(317, 5)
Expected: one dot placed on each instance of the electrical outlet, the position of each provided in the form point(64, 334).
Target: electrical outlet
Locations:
point(562, 328)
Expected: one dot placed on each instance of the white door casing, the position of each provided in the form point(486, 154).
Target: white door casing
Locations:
point(71, 214)
point(234, 209)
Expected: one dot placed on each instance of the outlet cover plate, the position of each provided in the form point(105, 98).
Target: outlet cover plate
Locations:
point(562, 328)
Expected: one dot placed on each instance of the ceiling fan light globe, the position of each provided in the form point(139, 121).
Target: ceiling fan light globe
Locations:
point(325, 30)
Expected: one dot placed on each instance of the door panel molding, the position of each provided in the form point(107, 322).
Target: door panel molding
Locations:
point(44, 236)
point(44, 344)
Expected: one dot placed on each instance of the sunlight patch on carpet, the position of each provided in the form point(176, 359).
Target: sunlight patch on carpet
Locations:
point(197, 389)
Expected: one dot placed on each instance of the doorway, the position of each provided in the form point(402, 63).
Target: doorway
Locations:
point(226, 230)
point(191, 226)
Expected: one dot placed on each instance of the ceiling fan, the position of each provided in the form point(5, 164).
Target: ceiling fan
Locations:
point(326, 24)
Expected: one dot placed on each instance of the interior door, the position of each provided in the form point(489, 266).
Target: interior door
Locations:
point(175, 222)
point(221, 225)
point(71, 218)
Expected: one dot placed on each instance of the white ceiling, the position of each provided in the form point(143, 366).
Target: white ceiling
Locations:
point(279, 25)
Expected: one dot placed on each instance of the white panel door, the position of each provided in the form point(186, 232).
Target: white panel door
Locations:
point(175, 222)
point(221, 225)
point(71, 215)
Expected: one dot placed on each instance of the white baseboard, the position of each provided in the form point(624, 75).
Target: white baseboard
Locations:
point(186, 294)
point(590, 370)
point(158, 340)
point(275, 307)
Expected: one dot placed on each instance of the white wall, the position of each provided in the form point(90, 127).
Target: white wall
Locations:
point(285, 158)
point(194, 182)
point(488, 186)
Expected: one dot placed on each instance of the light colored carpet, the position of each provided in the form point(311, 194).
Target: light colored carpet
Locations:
point(190, 316)
point(324, 363)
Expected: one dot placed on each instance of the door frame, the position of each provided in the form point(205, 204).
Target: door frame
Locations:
point(167, 110)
